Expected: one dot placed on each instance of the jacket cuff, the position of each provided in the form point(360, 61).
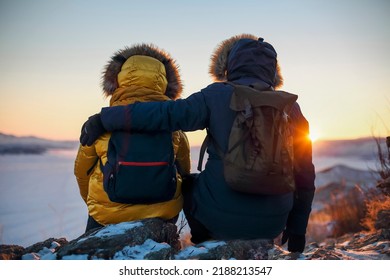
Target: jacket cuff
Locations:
point(299, 214)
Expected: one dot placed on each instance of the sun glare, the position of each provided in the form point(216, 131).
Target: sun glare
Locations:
point(313, 136)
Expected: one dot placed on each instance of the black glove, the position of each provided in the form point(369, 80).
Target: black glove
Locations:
point(296, 242)
point(91, 130)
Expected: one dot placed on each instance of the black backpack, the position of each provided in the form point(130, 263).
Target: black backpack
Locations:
point(140, 168)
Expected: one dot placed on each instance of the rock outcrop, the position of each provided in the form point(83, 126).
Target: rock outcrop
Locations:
point(152, 239)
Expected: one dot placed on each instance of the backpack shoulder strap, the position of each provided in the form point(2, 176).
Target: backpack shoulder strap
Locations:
point(89, 171)
point(207, 140)
point(202, 151)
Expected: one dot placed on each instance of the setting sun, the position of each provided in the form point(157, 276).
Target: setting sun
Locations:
point(313, 136)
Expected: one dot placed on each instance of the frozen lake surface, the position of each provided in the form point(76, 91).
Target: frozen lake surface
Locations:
point(39, 198)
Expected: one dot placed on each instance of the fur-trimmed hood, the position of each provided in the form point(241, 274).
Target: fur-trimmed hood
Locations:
point(245, 55)
point(114, 65)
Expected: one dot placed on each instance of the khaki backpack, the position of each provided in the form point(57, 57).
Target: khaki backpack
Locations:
point(259, 158)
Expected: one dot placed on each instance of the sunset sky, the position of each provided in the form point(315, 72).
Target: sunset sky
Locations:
point(333, 54)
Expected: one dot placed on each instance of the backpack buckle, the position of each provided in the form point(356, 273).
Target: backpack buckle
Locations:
point(247, 113)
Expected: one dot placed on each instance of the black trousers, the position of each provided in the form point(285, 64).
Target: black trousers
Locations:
point(92, 224)
point(199, 232)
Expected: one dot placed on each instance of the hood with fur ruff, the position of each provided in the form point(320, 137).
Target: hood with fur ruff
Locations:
point(113, 67)
point(220, 59)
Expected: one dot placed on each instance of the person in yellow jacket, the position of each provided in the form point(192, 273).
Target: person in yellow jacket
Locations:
point(139, 73)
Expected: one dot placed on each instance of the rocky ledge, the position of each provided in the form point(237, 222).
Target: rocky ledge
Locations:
point(152, 239)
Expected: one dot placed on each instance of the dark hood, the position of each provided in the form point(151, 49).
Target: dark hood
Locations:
point(252, 59)
point(246, 59)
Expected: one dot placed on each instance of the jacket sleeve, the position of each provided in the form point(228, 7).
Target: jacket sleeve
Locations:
point(304, 174)
point(184, 114)
point(303, 162)
point(86, 160)
point(183, 154)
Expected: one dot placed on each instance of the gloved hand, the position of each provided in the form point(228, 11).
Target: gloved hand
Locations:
point(91, 130)
point(296, 242)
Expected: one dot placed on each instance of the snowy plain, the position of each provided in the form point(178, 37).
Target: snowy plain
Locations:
point(39, 198)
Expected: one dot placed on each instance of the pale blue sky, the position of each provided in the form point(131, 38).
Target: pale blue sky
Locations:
point(333, 54)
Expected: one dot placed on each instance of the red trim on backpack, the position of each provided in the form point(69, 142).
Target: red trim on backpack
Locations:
point(135, 163)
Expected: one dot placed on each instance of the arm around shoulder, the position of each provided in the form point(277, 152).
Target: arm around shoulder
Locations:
point(183, 114)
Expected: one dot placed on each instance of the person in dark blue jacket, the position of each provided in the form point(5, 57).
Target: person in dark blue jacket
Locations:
point(213, 210)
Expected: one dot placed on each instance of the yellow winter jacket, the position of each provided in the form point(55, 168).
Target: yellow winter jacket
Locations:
point(141, 79)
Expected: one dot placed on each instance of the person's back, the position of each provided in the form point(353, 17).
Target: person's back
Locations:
point(218, 211)
point(135, 74)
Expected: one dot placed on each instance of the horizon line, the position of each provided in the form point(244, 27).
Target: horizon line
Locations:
point(76, 140)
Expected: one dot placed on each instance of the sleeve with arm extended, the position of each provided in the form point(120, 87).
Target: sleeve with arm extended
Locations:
point(184, 114)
